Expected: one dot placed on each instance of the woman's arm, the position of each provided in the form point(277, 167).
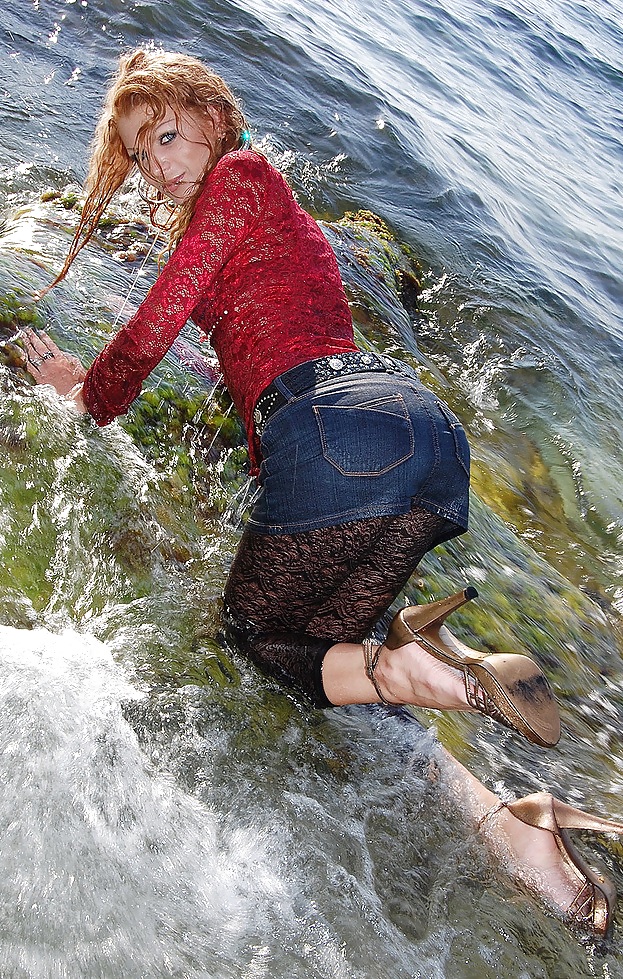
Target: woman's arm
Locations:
point(229, 206)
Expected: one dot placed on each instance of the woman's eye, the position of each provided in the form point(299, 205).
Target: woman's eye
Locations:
point(168, 137)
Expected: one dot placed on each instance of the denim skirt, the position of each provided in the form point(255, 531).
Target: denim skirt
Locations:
point(359, 446)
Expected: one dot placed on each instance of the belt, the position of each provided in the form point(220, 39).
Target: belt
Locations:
point(305, 376)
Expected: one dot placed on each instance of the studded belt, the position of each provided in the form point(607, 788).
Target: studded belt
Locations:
point(303, 377)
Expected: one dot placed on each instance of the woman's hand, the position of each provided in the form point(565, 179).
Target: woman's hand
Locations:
point(47, 364)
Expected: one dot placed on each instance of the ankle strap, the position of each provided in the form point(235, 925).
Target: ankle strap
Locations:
point(371, 653)
point(493, 811)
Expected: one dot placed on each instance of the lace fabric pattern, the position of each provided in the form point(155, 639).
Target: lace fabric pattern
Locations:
point(291, 597)
point(259, 278)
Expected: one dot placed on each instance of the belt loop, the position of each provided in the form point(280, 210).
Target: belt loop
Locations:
point(283, 388)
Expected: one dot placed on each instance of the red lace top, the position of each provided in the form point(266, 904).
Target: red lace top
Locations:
point(258, 277)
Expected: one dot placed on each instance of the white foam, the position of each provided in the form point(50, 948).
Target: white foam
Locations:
point(107, 863)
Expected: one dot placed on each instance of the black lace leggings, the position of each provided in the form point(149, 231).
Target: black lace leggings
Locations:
point(290, 597)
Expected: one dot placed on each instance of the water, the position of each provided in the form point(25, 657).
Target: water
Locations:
point(165, 812)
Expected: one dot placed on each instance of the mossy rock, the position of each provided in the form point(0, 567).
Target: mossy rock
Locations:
point(18, 312)
point(381, 275)
point(394, 259)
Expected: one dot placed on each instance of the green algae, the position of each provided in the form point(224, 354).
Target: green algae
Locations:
point(17, 313)
point(197, 444)
point(379, 251)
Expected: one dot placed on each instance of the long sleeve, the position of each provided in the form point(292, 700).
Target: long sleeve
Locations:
point(228, 208)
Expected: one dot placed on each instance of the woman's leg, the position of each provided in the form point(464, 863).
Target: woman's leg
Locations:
point(284, 593)
point(291, 598)
point(334, 582)
point(528, 853)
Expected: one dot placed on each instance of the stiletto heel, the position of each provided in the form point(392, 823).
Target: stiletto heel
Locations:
point(509, 687)
point(593, 906)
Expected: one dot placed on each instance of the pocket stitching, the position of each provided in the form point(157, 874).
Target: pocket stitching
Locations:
point(366, 406)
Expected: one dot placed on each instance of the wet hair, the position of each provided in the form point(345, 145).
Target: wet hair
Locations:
point(155, 80)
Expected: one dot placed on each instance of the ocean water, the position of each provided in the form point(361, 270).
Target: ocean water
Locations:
point(153, 839)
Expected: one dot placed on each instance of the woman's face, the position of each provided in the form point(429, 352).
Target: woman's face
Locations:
point(176, 152)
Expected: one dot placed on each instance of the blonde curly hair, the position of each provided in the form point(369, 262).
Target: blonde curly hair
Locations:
point(156, 80)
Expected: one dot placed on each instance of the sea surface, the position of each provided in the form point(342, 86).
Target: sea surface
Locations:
point(154, 832)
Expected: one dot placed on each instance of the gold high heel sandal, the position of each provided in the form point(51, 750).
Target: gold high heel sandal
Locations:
point(508, 687)
point(593, 906)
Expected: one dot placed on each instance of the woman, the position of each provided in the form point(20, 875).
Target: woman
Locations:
point(361, 469)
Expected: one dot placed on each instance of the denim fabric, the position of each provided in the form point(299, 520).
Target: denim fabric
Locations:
point(365, 445)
